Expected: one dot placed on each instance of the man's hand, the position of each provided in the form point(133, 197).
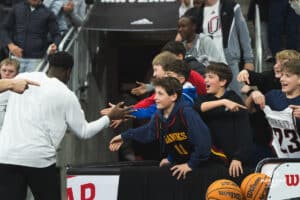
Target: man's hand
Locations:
point(232, 106)
point(15, 50)
point(243, 76)
point(259, 99)
point(119, 112)
point(235, 168)
point(180, 170)
point(140, 90)
point(296, 110)
point(249, 66)
point(52, 49)
point(68, 7)
point(20, 85)
point(164, 162)
point(116, 143)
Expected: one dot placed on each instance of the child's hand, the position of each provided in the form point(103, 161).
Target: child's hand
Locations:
point(105, 111)
point(116, 143)
point(140, 90)
point(116, 123)
point(180, 170)
point(164, 162)
point(243, 76)
point(258, 99)
point(235, 168)
point(233, 106)
point(296, 110)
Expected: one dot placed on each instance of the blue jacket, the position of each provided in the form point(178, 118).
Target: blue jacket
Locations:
point(30, 29)
point(198, 133)
point(189, 94)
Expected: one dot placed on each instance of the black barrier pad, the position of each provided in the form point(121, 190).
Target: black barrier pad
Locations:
point(119, 16)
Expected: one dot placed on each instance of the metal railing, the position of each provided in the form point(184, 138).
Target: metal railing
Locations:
point(258, 42)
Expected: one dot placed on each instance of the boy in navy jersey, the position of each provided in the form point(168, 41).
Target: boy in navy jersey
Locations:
point(184, 138)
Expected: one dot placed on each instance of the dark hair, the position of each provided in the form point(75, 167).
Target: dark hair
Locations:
point(179, 67)
point(174, 47)
point(292, 66)
point(170, 84)
point(61, 59)
point(221, 70)
point(192, 14)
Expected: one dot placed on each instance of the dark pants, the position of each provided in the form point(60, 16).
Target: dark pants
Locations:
point(282, 19)
point(43, 182)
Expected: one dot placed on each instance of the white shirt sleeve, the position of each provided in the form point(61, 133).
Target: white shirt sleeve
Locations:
point(76, 121)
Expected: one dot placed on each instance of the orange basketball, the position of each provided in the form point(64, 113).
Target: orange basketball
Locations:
point(255, 186)
point(223, 189)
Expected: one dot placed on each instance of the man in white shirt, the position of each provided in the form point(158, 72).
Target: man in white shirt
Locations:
point(34, 125)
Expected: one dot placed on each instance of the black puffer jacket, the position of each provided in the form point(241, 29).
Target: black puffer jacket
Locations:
point(29, 29)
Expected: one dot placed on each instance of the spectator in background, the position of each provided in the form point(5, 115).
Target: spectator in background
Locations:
point(263, 6)
point(29, 23)
point(184, 6)
point(283, 19)
point(9, 68)
point(69, 13)
point(223, 21)
point(199, 46)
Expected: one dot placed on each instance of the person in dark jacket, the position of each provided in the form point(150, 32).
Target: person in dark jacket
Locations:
point(184, 138)
point(29, 23)
point(227, 118)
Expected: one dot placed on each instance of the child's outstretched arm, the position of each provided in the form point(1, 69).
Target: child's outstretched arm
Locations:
point(229, 105)
point(116, 143)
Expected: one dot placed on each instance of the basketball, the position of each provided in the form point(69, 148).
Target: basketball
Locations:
point(255, 186)
point(223, 189)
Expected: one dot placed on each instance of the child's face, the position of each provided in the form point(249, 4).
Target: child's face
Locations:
point(213, 84)
point(8, 71)
point(162, 99)
point(158, 71)
point(277, 68)
point(290, 83)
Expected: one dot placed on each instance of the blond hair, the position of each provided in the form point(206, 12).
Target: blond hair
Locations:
point(164, 59)
point(287, 54)
point(10, 61)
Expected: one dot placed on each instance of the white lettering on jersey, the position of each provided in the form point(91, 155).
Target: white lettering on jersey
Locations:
point(286, 140)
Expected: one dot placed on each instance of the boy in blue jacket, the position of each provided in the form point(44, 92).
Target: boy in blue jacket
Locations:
point(184, 138)
point(181, 71)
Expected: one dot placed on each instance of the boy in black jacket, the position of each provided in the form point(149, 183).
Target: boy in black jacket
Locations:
point(226, 118)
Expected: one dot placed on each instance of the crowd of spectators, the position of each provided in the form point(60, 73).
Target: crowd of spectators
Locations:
point(201, 105)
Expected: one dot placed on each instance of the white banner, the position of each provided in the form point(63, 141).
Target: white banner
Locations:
point(96, 187)
point(285, 182)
